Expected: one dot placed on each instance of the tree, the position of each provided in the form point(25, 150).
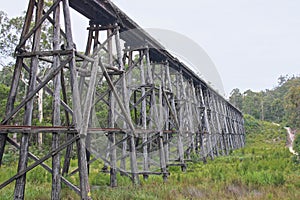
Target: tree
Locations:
point(292, 106)
point(276, 105)
point(296, 145)
point(236, 98)
point(282, 79)
point(9, 31)
point(252, 104)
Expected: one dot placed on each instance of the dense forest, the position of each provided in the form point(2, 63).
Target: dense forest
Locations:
point(279, 105)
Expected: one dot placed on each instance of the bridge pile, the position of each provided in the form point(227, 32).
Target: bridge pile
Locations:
point(139, 110)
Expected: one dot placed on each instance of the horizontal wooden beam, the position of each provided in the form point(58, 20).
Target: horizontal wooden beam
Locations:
point(45, 53)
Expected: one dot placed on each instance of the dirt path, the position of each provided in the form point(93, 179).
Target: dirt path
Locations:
point(290, 140)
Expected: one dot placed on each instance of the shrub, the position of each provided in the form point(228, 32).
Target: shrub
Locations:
point(297, 144)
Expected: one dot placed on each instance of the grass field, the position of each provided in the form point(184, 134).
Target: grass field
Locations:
point(264, 169)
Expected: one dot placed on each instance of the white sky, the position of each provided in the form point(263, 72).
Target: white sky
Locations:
point(251, 42)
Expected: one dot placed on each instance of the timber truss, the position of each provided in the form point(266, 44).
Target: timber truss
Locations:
point(139, 110)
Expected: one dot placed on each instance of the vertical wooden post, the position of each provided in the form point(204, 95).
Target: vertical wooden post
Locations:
point(190, 108)
point(202, 125)
point(124, 144)
point(160, 122)
point(16, 76)
point(166, 83)
point(222, 127)
point(231, 132)
point(77, 115)
point(207, 123)
point(211, 120)
point(128, 124)
point(197, 115)
point(56, 180)
point(179, 116)
point(21, 181)
point(119, 50)
point(225, 134)
point(113, 161)
point(111, 124)
point(219, 128)
point(144, 118)
point(69, 149)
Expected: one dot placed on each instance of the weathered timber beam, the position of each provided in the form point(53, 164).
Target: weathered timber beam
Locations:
point(45, 53)
point(84, 57)
point(35, 129)
point(56, 114)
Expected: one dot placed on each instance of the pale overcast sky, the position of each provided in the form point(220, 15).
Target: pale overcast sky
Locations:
point(251, 42)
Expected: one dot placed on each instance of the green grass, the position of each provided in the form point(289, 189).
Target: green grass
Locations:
point(264, 169)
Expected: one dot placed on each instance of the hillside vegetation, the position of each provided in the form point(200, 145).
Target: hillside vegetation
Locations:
point(280, 104)
point(264, 169)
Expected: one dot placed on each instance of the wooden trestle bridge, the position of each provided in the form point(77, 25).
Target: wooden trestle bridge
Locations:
point(139, 110)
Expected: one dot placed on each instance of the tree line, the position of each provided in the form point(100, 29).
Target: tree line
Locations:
point(279, 105)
